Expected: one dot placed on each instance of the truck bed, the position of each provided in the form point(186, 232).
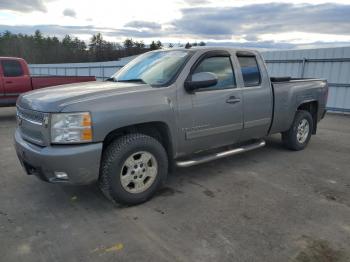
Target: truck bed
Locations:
point(46, 81)
point(289, 93)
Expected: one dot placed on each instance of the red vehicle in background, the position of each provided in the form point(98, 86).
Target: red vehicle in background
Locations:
point(15, 79)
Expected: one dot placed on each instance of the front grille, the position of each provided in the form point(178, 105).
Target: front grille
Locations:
point(32, 116)
point(32, 127)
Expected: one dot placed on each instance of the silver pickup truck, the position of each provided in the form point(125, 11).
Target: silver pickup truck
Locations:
point(178, 107)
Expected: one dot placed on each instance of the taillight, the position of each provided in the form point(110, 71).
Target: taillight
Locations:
point(326, 93)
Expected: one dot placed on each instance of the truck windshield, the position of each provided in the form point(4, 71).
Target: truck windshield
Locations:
point(153, 68)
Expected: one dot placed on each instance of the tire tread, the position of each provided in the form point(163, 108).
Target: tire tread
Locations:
point(111, 153)
point(288, 137)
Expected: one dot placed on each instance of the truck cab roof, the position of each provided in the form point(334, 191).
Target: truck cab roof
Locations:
point(210, 48)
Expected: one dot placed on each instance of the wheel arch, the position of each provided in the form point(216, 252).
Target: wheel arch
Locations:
point(156, 129)
point(312, 107)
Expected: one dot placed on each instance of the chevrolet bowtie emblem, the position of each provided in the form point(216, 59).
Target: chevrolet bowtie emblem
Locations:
point(46, 121)
point(19, 120)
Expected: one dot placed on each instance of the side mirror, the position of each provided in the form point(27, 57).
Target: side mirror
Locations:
point(201, 80)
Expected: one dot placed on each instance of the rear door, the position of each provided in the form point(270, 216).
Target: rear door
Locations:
point(217, 118)
point(15, 79)
point(257, 95)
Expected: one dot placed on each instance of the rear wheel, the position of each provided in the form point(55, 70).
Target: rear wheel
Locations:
point(298, 136)
point(133, 168)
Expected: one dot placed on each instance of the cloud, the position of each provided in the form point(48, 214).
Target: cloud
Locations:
point(255, 45)
point(59, 30)
point(252, 20)
point(143, 24)
point(222, 24)
point(272, 45)
point(197, 2)
point(23, 5)
point(69, 12)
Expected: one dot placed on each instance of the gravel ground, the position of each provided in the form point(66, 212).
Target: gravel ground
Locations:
point(266, 205)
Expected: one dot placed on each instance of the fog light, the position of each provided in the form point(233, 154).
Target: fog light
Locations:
point(61, 175)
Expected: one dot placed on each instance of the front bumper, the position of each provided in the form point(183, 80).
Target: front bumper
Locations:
point(80, 162)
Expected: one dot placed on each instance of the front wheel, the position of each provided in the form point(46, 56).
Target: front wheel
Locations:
point(298, 136)
point(133, 167)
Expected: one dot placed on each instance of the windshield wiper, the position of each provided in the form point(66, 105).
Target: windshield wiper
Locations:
point(133, 80)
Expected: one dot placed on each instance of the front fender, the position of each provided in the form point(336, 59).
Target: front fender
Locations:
point(115, 112)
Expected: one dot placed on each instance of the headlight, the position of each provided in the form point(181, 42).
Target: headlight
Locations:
point(71, 128)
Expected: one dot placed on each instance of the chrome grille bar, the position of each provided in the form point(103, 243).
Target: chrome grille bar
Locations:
point(31, 116)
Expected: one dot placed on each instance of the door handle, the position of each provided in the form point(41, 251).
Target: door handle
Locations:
point(233, 100)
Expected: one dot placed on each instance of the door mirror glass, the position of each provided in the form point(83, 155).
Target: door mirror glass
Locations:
point(201, 80)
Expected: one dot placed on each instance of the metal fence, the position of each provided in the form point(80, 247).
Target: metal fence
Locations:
point(332, 64)
point(339, 93)
point(100, 72)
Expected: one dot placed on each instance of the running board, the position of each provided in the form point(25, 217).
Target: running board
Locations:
point(231, 152)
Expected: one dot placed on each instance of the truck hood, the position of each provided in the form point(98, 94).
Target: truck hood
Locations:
point(54, 99)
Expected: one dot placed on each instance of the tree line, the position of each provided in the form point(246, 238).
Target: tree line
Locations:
point(40, 49)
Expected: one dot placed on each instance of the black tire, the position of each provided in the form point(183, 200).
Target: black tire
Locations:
point(112, 163)
point(289, 137)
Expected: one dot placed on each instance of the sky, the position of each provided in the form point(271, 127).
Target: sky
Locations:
point(263, 24)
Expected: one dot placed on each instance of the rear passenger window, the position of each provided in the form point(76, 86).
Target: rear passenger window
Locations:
point(250, 70)
point(11, 68)
point(221, 67)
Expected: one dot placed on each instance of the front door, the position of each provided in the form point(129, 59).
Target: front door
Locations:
point(217, 117)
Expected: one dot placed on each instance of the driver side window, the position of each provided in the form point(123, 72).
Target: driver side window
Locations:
point(221, 66)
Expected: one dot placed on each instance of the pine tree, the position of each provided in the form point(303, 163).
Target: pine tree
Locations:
point(153, 46)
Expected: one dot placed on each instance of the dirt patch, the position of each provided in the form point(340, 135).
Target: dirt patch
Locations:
point(209, 193)
point(206, 190)
point(167, 191)
point(159, 211)
point(333, 195)
point(319, 251)
point(246, 216)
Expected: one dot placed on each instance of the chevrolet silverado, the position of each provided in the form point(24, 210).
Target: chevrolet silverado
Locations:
point(166, 108)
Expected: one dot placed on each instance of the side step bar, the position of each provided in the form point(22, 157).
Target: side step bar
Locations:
point(210, 157)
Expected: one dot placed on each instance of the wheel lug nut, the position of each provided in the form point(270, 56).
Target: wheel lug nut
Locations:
point(135, 177)
point(135, 166)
